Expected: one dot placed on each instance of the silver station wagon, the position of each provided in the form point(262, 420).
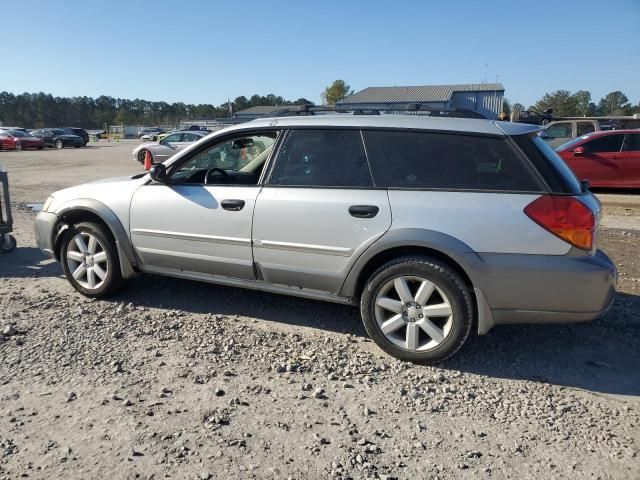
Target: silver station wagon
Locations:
point(434, 227)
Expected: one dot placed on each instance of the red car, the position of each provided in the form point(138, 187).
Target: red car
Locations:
point(17, 140)
point(606, 158)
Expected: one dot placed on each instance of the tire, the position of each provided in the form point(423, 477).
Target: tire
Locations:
point(142, 153)
point(18, 146)
point(7, 243)
point(40, 148)
point(447, 332)
point(85, 268)
point(59, 144)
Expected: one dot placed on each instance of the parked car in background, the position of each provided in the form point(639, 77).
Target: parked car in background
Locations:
point(535, 118)
point(605, 158)
point(196, 128)
point(149, 133)
point(433, 227)
point(58, 138)
point(18, 140)
point(166, 147)
point(154, 137)
point(25, 130)
point(81, 132)
point(564, 130)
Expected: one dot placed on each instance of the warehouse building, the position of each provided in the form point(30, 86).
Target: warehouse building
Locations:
point(483, 98)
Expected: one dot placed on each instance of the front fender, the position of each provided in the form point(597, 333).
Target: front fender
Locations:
point(127, 257)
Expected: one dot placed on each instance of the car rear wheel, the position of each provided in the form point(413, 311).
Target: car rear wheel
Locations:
point(59, 144)
point(18, 146)
point(417, 309)
point(90, 260)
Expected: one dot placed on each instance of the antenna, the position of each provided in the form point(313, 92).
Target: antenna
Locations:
point(484, 79)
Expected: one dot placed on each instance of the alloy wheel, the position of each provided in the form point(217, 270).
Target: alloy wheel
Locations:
point(18, 146)
point(59, 144)
point(87, 261)
point(413, 313)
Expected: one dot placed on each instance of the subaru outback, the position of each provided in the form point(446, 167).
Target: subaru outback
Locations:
point(434, 227)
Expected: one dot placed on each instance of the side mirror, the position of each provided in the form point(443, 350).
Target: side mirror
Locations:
point(585, 185)
point(579, 151)
point(158, 173)
point(543, 134)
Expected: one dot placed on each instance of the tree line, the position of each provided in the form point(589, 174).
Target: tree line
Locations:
point(578, 104)
point(37, 110)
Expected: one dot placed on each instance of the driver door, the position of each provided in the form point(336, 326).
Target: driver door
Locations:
point(200, 222)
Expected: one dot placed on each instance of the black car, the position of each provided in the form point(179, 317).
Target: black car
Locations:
point(58, 137)
point(81, 132)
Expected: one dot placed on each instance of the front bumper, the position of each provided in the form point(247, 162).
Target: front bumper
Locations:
point(546, 288)
point(45, 229)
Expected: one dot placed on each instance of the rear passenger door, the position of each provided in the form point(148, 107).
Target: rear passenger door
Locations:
point(630, 161)
point(317, 211)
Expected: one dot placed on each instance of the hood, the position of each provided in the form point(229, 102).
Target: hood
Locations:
point(115, 193)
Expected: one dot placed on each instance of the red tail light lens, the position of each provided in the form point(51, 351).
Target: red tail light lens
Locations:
point(565, 217)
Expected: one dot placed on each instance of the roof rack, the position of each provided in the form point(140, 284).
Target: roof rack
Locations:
point(412, 108)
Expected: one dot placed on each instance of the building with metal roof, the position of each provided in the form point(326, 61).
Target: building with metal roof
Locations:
point(484, 98)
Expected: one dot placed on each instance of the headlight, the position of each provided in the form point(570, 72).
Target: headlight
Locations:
point(47, 204)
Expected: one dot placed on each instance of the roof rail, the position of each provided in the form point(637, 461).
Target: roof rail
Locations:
point(411, 108)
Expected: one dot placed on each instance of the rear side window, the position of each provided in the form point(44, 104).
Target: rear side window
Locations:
point(321, 158)
point(556, 173)
point(446, 161)
point(607, 143)
point(632, 142)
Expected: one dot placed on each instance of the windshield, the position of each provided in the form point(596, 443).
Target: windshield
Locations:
point(18, 133)
point(568, 145)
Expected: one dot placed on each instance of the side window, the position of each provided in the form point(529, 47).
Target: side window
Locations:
point(559, 130)
point(190, 137)
point(322, 158)
point(632, 142)
point(446, 161)
point(175, 137)
point(241, 158)
point(607, 143)
point(585, 127)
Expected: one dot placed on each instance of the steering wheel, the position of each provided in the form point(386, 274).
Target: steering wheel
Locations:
point(228, 178)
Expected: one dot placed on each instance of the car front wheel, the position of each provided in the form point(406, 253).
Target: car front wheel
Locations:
point(90, 260)
point(59, 144)
point(417, 309)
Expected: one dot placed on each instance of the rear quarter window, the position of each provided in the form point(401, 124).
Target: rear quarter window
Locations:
point(551, 167)
point(425, 160)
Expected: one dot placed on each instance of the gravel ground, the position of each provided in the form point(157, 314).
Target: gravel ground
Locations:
point(179, 379)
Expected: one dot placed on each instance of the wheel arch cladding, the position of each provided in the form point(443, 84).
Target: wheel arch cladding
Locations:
point(88, 210)
point(413, 241)
point(410, 241)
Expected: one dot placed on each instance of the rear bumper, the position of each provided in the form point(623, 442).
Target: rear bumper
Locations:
point(44, 230)
point(544, 289)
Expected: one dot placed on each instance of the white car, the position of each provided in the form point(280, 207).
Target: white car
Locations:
point(165, 148)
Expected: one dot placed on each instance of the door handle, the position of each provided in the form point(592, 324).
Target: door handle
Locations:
point(232, 205)
point(363, 211)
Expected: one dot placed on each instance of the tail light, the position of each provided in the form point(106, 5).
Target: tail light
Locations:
point(565, 217)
